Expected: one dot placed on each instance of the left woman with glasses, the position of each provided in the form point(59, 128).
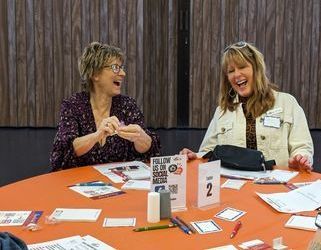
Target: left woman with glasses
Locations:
point(99, 125)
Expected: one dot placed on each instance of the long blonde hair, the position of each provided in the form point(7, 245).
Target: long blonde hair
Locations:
point(262, 98)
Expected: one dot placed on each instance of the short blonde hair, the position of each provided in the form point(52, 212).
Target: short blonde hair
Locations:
point(94, 58)
point(262, 99)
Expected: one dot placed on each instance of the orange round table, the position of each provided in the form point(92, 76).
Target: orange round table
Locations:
point(50, 191)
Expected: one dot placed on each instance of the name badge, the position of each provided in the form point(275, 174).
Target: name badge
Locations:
point(271, 121)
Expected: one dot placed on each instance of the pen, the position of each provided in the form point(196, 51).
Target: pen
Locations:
point(185, 224)
point(125, 178)
point(180, 225)
point(91, 184)
point(236, 229)
point(270, 182)
point(141, 229)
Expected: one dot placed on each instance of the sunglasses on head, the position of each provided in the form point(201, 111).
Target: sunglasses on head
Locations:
point(238, 45)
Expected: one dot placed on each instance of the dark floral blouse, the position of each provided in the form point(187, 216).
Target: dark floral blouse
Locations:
point(77, 119)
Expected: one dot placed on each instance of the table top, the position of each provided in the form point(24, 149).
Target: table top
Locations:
point(50, 191)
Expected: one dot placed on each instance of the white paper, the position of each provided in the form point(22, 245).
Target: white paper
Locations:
point(306, 198)
point(302, 222)
point(206, 226)
point(251, 243)
point(301, 184)
point(227, 247)
point(75, 214)
point(233, 184)
point(169, 172)
point(71, 243)
point(137, 184)
point(280, 175)
point(208, 183)
point(119, 222)
point(13, 218)
point(96, 191)
point(230, 214)
point(143, 171)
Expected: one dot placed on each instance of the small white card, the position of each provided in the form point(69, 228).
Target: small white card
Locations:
point(302, 222)
point(119, 222)
point(227, 247)
point(233, 184)
point(136, 184)
point(75, 214)
point(13, 218)
point(251, 243)
point(208, 183)
point(229, 214)
point(206, 226)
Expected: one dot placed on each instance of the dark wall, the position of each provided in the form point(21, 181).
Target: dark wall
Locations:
point(24, 152)
point(40, 42)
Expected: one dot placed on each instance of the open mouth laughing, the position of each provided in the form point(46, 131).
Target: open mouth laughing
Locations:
point(241, 83)
point(117, 83)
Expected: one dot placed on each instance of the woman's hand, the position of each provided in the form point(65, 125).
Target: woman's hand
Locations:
point(108, 127)
point(134, 133)
point(300, 162)
point(189, 153)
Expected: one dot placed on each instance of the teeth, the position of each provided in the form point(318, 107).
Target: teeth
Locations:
point(240, 82)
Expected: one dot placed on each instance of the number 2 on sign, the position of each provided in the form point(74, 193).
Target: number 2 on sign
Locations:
point(208, 183)
point(209, 187)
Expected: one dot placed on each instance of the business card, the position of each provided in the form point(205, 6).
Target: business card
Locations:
point(206, 226)
point(229, 214)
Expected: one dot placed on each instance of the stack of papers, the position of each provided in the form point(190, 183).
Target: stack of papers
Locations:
point(71, 243)
point(75, 214)
point(306, 198)
point(96, 192)
point(133, 170)
point(278, 174)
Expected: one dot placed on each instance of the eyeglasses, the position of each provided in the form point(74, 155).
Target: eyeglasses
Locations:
point(116, 68)
point(238, 45)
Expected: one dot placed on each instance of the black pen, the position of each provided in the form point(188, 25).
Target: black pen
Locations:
point(185, 224)
point(180, 225)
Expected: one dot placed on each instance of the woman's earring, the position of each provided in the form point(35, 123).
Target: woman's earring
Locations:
point(232, 93)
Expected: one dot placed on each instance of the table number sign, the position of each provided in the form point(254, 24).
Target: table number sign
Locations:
point(208, 183)
point(169, 172)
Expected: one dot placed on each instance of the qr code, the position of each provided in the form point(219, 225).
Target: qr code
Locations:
point(173, 188)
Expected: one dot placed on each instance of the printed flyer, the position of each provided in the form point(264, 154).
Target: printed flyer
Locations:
point(169, 172)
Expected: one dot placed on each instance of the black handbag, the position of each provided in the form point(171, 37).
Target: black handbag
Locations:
point(10, 242)
point(239, 158)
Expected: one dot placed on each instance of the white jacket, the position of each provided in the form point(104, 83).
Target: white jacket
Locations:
point(279, 144)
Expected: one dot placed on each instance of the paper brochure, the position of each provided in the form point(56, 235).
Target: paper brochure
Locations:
point(306, 198)
point(133, 170)
point(169, 172)
point(71, 243)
